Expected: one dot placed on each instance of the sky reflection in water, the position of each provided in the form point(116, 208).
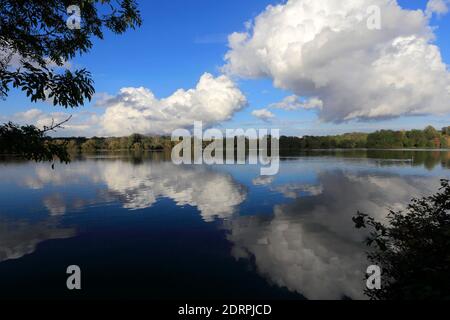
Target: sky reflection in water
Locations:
point(290, 235)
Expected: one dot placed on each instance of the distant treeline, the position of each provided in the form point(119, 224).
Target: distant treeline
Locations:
point(383, 139)
point(135, 142)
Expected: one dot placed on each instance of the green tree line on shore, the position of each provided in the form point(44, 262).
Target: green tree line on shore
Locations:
point(134, 142)
point(382, 139)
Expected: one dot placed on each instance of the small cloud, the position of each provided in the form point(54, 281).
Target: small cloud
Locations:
point(294, 102)
point(263, 114)
point(438, 7)
point(29, 115)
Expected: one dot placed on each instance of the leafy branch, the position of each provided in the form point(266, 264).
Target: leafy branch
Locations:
point(412, 248)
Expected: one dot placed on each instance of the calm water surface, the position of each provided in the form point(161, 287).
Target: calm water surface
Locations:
point(141, 227)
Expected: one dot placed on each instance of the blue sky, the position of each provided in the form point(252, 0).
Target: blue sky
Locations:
point(180, 40)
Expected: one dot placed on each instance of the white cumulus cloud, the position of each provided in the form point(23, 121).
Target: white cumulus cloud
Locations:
point(263, 114)
point(293, 103)
point(325, 49)
point(438, 7)
point(137, 110)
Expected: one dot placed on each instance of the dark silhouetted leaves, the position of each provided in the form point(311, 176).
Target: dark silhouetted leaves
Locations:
point(31, 143)
point(35, 43)
point(413, 249)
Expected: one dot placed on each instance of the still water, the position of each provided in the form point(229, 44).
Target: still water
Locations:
point(140, 227)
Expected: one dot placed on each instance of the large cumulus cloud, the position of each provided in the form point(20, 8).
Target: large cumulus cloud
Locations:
point(213, 100)
point(324, 49)
point(137, 110)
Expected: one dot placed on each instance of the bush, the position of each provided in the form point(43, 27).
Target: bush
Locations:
point(413, 250)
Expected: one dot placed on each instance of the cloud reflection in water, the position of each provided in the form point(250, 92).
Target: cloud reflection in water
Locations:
point(308, 244)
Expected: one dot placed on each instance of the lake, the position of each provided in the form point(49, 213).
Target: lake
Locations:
point(139, 226)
